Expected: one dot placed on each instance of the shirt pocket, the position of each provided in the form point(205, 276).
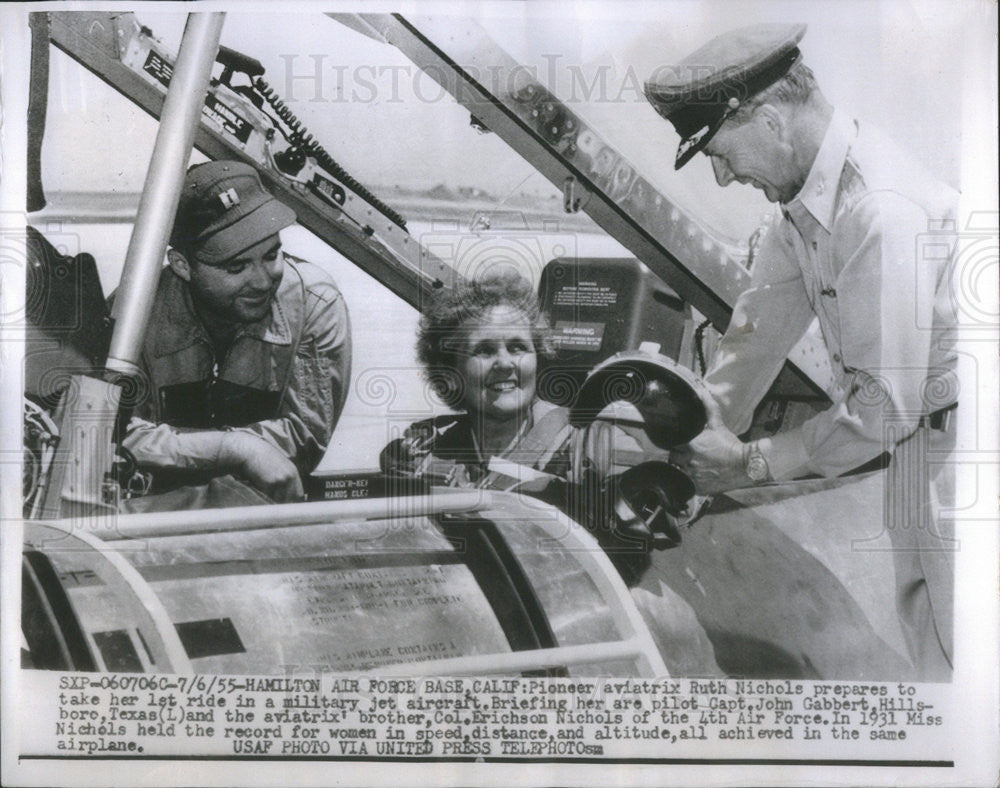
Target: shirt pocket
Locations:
point(311, 389)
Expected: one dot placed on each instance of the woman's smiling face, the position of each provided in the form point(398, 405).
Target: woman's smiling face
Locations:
point(498, 363)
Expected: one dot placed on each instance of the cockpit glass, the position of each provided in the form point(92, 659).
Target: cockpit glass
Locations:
point(597, 67)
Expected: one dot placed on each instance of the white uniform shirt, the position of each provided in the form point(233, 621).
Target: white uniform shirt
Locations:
point(866, 247)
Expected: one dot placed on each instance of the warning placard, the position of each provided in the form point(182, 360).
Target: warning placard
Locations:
point(578, 336)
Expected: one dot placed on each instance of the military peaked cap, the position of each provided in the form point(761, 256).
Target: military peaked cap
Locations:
point(706, 87)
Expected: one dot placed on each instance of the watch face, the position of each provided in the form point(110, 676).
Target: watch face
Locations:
point(757, 468)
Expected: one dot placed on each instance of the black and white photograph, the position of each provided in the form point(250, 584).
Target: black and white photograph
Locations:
point(500, 393)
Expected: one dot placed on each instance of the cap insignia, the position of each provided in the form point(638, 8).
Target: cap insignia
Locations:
point(229, 198)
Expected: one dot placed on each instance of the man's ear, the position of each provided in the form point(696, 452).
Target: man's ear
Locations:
point(179, 264)
point(773, 120)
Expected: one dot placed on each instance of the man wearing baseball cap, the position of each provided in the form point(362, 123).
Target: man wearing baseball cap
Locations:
point(247, 354)
point(845, 247)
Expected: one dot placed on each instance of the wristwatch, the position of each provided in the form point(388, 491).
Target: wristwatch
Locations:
point(755, 464)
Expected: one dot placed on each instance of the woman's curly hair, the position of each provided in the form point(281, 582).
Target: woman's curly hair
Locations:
point(438, 343)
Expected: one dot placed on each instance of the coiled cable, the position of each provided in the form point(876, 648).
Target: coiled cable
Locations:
point(299, 137)
point(699, 344)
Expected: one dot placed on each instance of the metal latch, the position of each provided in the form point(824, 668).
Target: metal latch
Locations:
point(572, 201)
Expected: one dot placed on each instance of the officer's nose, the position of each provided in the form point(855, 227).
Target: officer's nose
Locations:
point(275, 268)
point(723, 175)
point(266, 274)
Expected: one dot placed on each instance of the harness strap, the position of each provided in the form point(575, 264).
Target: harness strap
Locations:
point(536, 448)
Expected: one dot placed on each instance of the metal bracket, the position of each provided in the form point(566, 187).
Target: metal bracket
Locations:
point(572, 202)
point(116, 49)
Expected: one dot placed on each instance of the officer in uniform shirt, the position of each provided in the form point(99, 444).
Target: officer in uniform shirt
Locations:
point(247, 355)
point(845, 249)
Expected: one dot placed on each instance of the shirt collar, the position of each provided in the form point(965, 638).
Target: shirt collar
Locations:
point(818, 194)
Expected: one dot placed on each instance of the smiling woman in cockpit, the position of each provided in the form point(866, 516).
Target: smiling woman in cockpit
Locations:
point(479, 343)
